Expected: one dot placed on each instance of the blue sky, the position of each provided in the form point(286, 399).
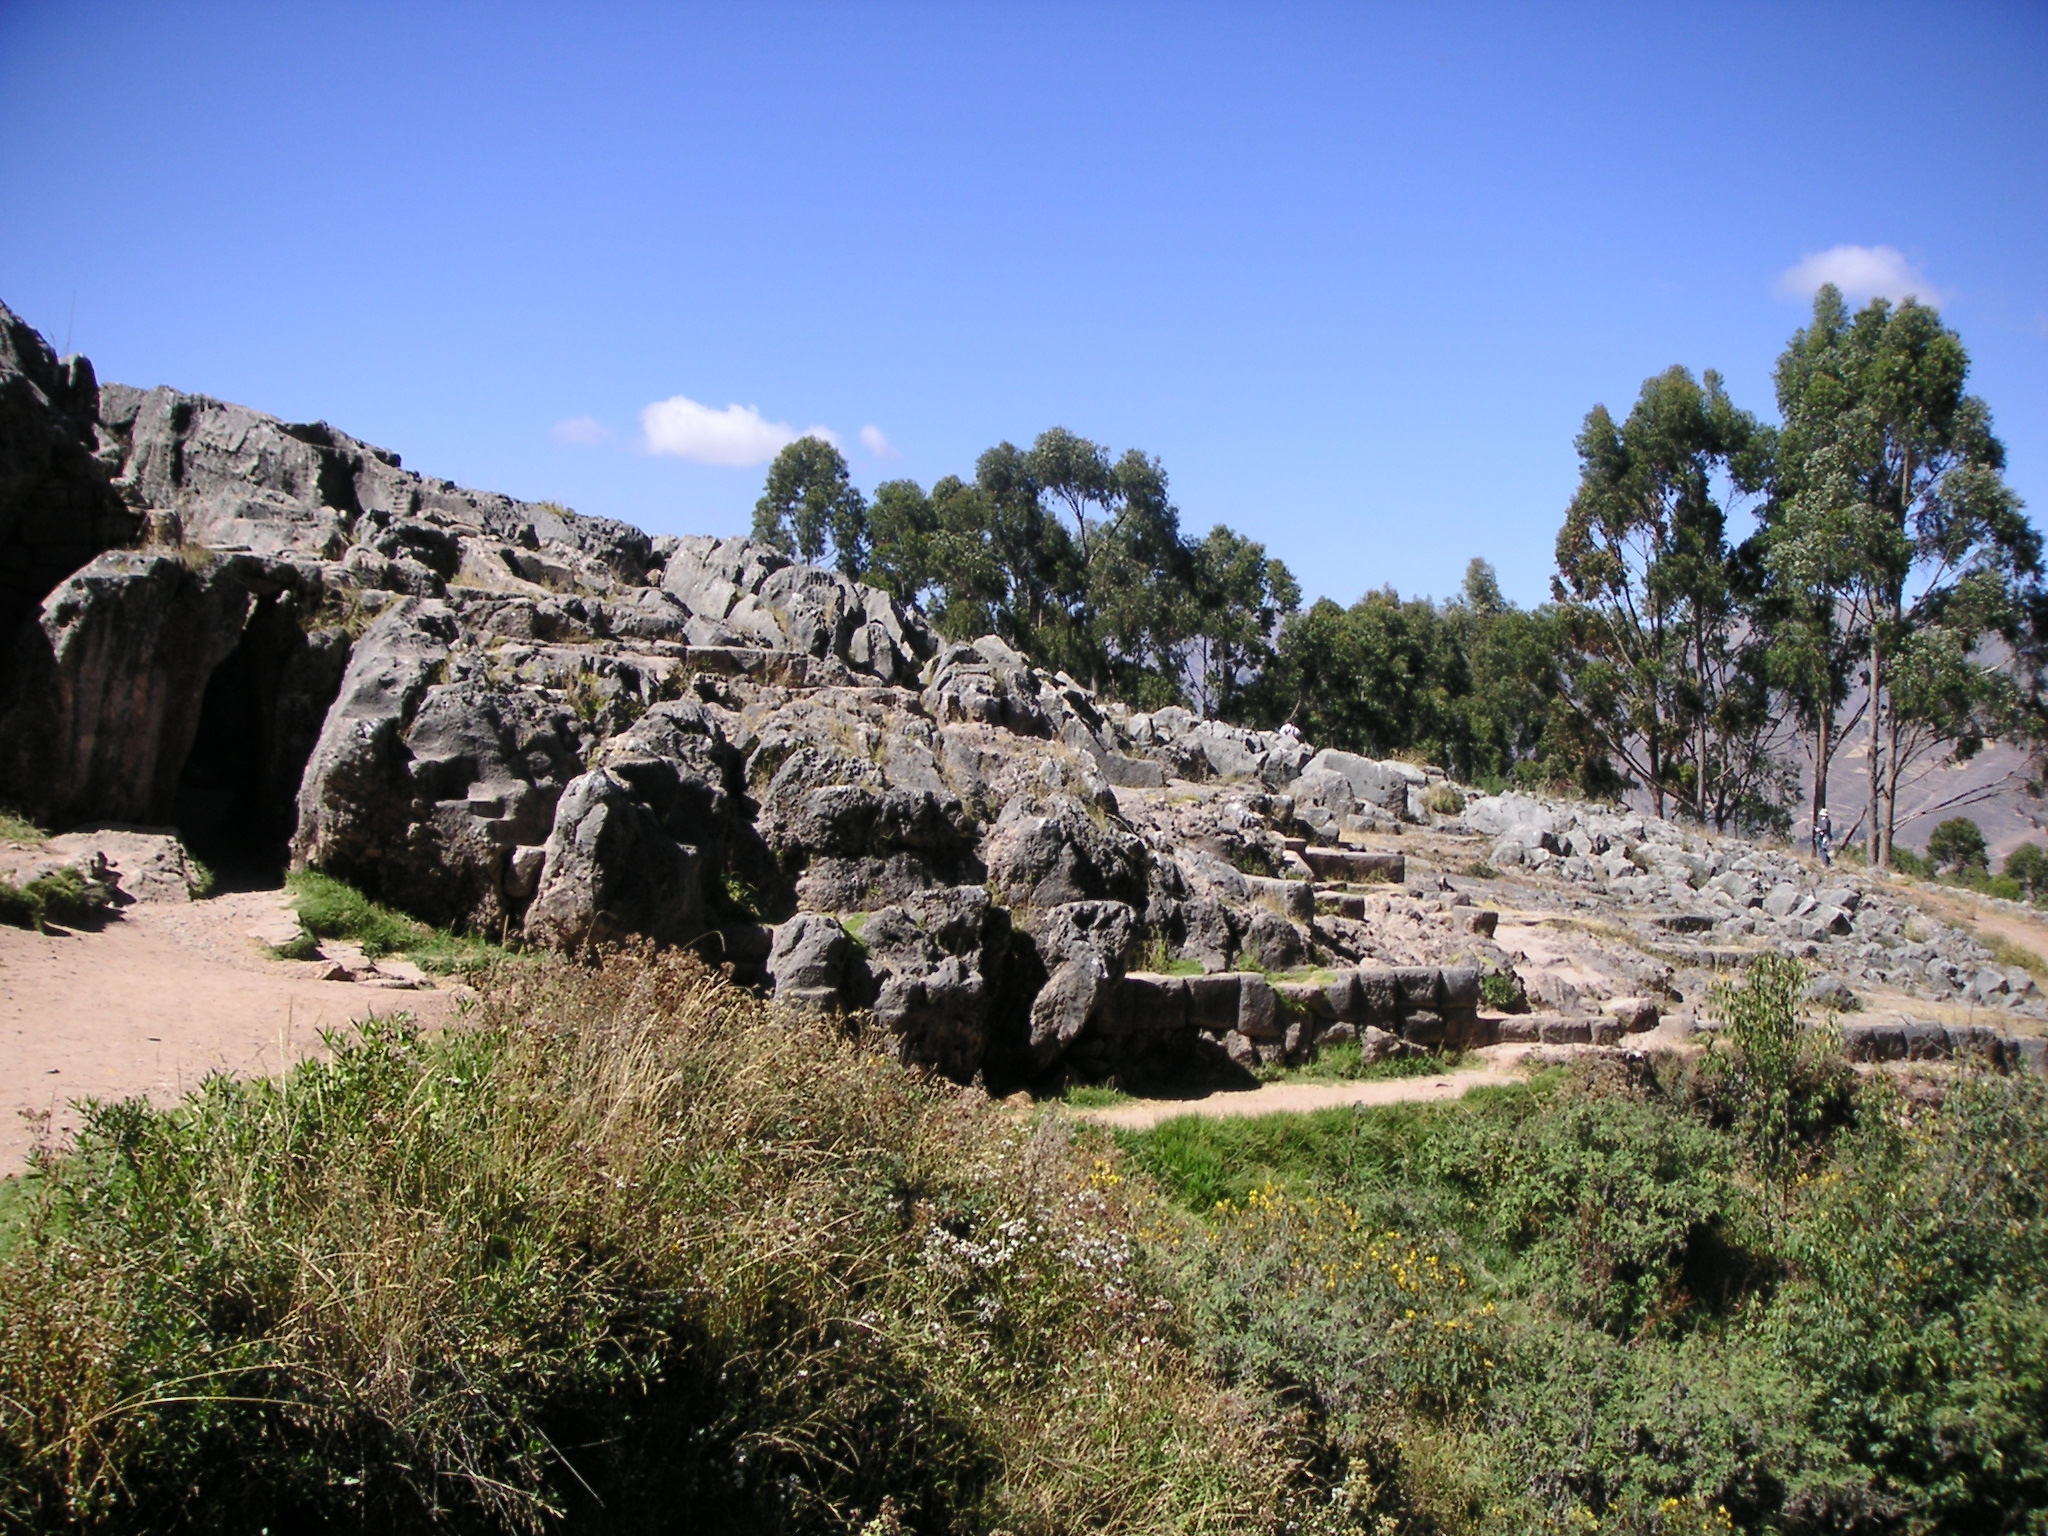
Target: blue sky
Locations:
point(1354, 273)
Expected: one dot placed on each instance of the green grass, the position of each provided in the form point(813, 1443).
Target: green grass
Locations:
point(1344, 1062)
point(1093, 1096)
point(19, 829)
point(61, 897)
point(1593, 1302)
point(334, 909)
point(615, 1257)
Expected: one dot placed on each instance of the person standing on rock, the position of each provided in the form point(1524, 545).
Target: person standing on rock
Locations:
point(1823, 838)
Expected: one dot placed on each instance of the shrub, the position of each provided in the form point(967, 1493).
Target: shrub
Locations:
point(1957, 844)
point(1650, 1357)
point(15, 828)
point(2028, 865)
point(1784, 1081)
point(1503, 991)
point(1443, 800)
point(62, 896)
point(613, 1256)
point(1906, 862)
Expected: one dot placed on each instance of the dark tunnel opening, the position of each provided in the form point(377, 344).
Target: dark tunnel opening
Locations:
point(237, 798)
point(220, 810)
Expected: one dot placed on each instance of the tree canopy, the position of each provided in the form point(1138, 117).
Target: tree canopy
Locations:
point(1880, 578)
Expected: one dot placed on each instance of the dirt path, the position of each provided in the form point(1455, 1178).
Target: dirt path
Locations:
point(1496, 1064)
point(1979, 918)
point(154, 1002)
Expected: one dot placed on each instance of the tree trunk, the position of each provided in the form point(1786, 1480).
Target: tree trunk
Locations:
point(1891, 785)
point(1876, 764)
point(1822, 729)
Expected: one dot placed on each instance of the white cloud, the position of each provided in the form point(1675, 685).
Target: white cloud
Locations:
point(738, 435)
point(580, 431)
point(877, 443)
point(1861, 272)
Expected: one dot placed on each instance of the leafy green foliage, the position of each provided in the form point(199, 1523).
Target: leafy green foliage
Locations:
point(1470, 684)
point(62, 897)
point(1661, 670)
point(2028, 865)
point(333, 909)
point(16, 828)
point(1503, 992)
point(612, 1257)
point(1559, 1307)
point(1958, 844)
point(1892, 537)
point(810, 504)
point(1783, 1081)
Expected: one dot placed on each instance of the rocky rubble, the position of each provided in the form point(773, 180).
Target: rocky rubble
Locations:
point(554, 729)
point(1730, 892)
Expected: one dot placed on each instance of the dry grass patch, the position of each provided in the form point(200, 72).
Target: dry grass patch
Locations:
point(627, 1243)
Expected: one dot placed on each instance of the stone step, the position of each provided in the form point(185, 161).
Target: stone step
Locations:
point(1356, 865)
point(1914, 1040)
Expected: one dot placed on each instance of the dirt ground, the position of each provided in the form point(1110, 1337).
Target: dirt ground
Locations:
point(154, 1002)
point(1489, 1067)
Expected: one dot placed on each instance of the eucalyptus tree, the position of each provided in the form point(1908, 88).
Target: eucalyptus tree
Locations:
point(810, 502)
point(1891, 510)
point(1658, 665)
point(1238, 598)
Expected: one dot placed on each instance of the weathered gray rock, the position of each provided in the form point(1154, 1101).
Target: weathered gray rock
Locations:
point(145, 864)
point(106, 688)
point(937, 961)
point(1213, 1001)
point(1147, 1004)
point(611, 873)
point(741, 593)
point(813, 962)
point(58, 507)
point(1258, 1008)
point(1635, 1015)
point(1832, 993)
point(1054, 852)
point(1376, 784)
point(1273, 942)
point(1104, 928)
point(1065, 1004)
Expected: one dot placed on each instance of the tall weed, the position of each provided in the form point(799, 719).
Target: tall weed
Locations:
point(626, 1251)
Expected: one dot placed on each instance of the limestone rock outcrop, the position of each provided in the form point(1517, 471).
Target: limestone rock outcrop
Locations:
point(556, 730)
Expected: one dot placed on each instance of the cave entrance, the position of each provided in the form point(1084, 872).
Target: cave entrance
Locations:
point(219, 809)
point(235, 802)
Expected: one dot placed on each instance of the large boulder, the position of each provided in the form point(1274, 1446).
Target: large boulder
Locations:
point(227, 477)
point(987, 683)
point(937, 960)
point(813, 962)
point(1365, 782)
point(850, 841)
point(1057, 851)
point(1066, 1003)
point(611, 873)
point(743, 593)
point(419, 789)
point(58, 507)
point(107, 687)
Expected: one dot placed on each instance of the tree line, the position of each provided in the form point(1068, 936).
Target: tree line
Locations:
point(1888, 599)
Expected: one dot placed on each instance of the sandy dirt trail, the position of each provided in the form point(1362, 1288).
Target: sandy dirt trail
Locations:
point(1496, 1064)
point(155, 1001)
